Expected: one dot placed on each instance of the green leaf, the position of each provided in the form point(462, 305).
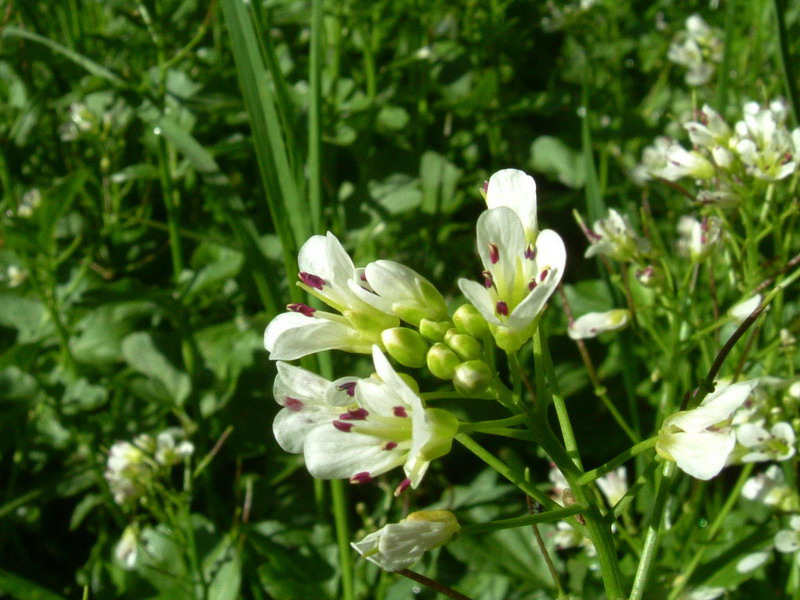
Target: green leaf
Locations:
point(554, 158)
point(141, 353)
point(24, 589)
point(439, 179)
point(397, 193)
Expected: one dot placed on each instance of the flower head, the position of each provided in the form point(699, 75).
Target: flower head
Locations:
point(612, 237)
point(398, 545)
point(700, 440)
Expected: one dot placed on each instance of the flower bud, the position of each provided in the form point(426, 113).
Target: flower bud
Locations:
point(405, 345)
point(442, 361)
point(434, 330)
point(466, 346)
point(468, 319)
point(593, 324)
point(472, 377)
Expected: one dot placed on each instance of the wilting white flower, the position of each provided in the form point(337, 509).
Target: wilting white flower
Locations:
point(519, 276)
point(698, 238)
point(612, 237)
point(697, 48)
point(593, 324)
point(740, 311)
point(398, 545)
point(326, 272)
point(788, 540)
point(387, 427)
point(776, 444)
point(398, 290)
point(700, 440)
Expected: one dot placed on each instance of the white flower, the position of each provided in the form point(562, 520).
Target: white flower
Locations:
point(697, 48)
point(685, 163)
point(593, 324)
point(770, 488)
point(740, 311)
point(15, 276)
point(127, 549)
point(776, 444)
point(654, 160)
point(614, 485)
point(700, 440)
point(327, 272)
point(612, 237)
point(398, 290)
point(764, 144)
point(710, 130)
point(706, 593)
point(388, 428)
point(519, 277)
point(29, 203)
point(307, 401)
point(516, 190)
point(398, 545)
point(168, 452)
point(698, 238)
point(750, 562)
point(788, 540)
point(128, 471)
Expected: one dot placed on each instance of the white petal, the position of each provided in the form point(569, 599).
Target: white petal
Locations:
point(299, 383)
point(502, 228)
point(751, 435)
point(334, 454)
point(701, 455)
point(516, 190)
point(291, 428)
point(593, 324)
point(716, 407)
point(787, 541)
point(292, 335)
point(480, 298)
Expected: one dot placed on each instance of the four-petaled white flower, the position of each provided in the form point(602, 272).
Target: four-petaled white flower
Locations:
point(519, 276)
point(700, 440)
point(612, 237)
point(697, 48)
point(326, 272)
point(764, 144)
point(398, 545)
point(385, 426)
point(593, 324)
point(776, 444)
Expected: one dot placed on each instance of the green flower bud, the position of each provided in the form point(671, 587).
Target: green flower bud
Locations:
point(444, 426)
point(466, 346)
point(472, 377)
point(442, 361)
point(410, 382)
point(469, 320)
point(372, 323)
point(434, 330)
point(405, 345)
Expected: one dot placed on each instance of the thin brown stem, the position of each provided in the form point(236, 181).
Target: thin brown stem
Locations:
point(535, 508)
point(433, 584)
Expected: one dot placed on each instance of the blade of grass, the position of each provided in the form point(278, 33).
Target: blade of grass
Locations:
point(314, 118)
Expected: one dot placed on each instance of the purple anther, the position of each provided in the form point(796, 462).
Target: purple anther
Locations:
point(357, 414)
point(312, 281)
point(532, 284)
point(488, 280)
point(494, 253)
point(402, 487)
point(530, 251)
point(399, 411)
point(363, 477)
point(349, 387)
point(293, 404)
point(390, 445)
point(543, 275)
point(342, 426)
point(363, 277)
point(303, 309)
point(502, 308)
point(485, 188)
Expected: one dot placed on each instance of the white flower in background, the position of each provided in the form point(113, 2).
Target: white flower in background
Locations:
point(776, 444)
point(15, 276)
point(308, 400)
point(395, 289)
point(81, 120)
point(750, 562)
point(700, 440)
point(706, 593)
point(31, 200)
point(788, 540)
point(127, 549)
point(685, 163)
point(516, 190)
point(128, 470)
point(698, 49)
point(709, 130)
point(519, 276)
point(398, 545)
point(764, 144)
point(614, 485)
point(770, 488)
point(612, 237)
point(389, 427)
point(654, 160)
point(326, 272)
point(169, 450)
point(593, 324)
point(698, 239)
point(740, 311)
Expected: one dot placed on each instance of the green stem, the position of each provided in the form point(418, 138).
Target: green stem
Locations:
point(590, 476)
point(339, 497)
point(785, 58)
point(550, 516)
point(496, 424)
point(733, 498)
point(651, 540)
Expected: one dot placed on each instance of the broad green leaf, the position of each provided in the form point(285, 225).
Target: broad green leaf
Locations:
point(141, 353)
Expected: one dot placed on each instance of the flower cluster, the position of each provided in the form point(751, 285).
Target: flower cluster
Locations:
point(698, 48)
point(359, 428)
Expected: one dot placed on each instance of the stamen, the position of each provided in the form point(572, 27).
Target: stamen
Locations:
point(488, 280)
point(356, 414)
point(502, 308)
point(399, 411)
point(494, 253)
point(485, 188)
point(363, 477)
point(312, 281)
point(303, 309)
point(544, 273)
point(532, 283)
point(530, 251)
point(293, 404)
point(341, 426)
point(402, 487)
point(349, 387)
point(390, 445)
